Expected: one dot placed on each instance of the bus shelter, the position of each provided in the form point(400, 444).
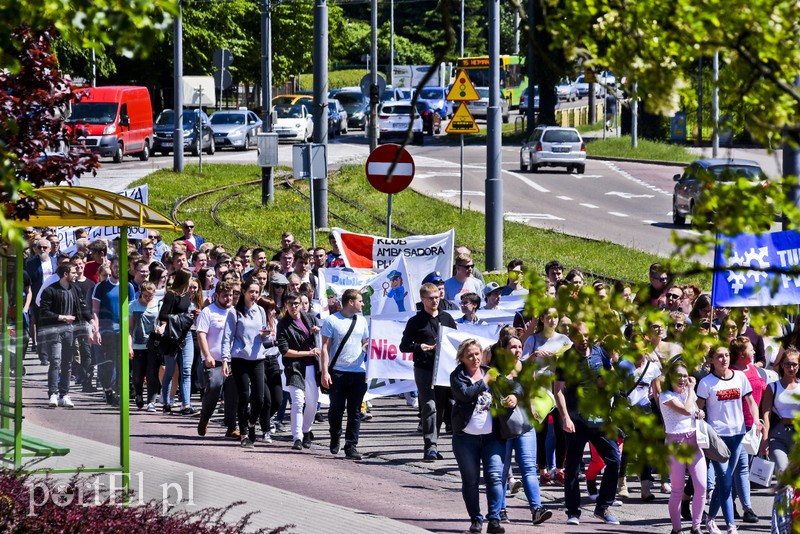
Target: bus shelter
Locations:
point(29, 433)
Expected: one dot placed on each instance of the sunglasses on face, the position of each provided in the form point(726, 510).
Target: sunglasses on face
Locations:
point(673, 296)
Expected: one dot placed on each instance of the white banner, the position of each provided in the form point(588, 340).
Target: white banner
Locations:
point(332, 282)
point(389, 293)
point(384, 359)
point(379, 387)
point(424, 253)
point(446, 348)
point(66, 234)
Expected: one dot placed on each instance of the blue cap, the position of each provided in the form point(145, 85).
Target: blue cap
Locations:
point(433, 278)
point(394, 274)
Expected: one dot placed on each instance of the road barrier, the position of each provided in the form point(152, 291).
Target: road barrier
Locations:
point(571, 117)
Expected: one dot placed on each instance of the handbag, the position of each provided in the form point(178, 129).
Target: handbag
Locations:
point(513, 423)
point(716, 449)
point(752, 441)
point(325, 390)
point(761, 471)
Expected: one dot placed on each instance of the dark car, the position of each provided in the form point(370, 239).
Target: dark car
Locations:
point(165, 125)
point(431, 119)
point(334, 119)
point(356, 105)
point(702, 174)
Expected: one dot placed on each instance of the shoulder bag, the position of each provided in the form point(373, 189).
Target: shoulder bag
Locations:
point(338, 352)
point(708, 440)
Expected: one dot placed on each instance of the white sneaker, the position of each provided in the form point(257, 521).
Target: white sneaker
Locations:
point(666, 487)
point(616, 502)
point(732, 529)
point(267, 438)
point(151, 407)
point(711, 527)
point(65, 402)
point(53, 401)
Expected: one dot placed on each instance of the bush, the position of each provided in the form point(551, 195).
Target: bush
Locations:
point(337, 78)
point(69, 507)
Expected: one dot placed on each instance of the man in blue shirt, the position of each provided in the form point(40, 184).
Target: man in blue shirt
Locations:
point(347, 377)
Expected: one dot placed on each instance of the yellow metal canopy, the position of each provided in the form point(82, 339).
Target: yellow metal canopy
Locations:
point(84, 206)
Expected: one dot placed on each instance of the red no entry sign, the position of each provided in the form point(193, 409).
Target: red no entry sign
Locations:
point(380, 161)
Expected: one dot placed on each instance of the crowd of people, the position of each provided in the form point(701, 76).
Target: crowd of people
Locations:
point(244, 329)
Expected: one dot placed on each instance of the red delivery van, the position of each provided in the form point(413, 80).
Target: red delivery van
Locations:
point(113, 121)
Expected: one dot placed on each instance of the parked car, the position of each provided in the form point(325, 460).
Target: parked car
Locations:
point(437, 98)
point(113, 121)
point(391, 94)
point(290, 100)
point(551, 146)
point(479, 108)
point(567, 90)
point(582, 87)
point(431, 120)
point(356, 105)
point(237, 129)
point(341, 128)
point(700, 175)
point(334, 120)
point(394, 118)
point(193, 120)
point(523, 102)
point(294, 123)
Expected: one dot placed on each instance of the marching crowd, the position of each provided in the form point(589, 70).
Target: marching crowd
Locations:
point(244, 328)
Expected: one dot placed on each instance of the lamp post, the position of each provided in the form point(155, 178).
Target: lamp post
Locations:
point(177, 132)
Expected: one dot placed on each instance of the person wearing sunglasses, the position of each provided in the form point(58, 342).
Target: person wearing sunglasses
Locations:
point(653, 293)
point(462, 280)
point(189, 236)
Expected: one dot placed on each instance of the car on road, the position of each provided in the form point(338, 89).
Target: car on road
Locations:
point(355, 104)
point(567, 90)
point(193, 120)
point(524, 100)
point(394, 118)
point(437, 98)
point(392, 94)
point(341, 126)
point(553, 146)
point(290, 100)
point(237, 129)
point(582, 87)
point(431, 119)
point(480, 108)
point(293, 123)
point(700, 175)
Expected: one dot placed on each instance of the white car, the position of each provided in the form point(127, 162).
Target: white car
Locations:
point(553, 146)
point(567, 90)
point(480, 108)
point(294, 123)
point(394, 118)
point(582, 87)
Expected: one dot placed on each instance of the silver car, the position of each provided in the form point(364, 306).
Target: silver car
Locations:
point(567, 90)
point(479, 108)
point(552, 146)
point(238, 129)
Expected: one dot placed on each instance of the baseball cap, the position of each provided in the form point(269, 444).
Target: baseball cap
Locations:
point(491, 286)
point(433, 278)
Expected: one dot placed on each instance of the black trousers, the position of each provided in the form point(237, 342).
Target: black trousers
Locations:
point(249, 378)
point(346, 393)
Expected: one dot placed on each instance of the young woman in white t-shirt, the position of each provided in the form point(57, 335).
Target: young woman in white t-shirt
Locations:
point(679, 409)
point(781, 397)
point(721, 394)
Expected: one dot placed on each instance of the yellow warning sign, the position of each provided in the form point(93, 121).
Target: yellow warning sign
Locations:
point(462, 122)
point(462, 89)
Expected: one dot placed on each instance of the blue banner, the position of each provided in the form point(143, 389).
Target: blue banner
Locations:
point(758, 281)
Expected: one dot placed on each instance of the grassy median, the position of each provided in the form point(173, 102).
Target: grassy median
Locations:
point(363, 211)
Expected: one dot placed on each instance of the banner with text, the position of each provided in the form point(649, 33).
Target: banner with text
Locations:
point(389, 293)
point(424, 253)
point(66, 234)
point(332, 282)
point(384, 359)
point(749, 268)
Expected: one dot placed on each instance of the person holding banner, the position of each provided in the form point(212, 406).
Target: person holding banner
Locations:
point(419, 338)
point(476, 435)
point(345, 335)
point(298, 345)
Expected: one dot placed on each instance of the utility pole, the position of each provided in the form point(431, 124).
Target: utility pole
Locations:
point(373, 89)
point(530, 116)
point(177, 132)
point(267, 177)
point(715, 105)
point(494, 183)
point(390, 78)
point(318, 185)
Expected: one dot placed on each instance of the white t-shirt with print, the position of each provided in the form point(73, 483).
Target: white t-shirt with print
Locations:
point(674, 422)
point(724, 402)
point(212, 321)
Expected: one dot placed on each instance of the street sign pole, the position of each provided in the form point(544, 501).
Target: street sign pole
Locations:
point(390, 169)
point(461, 182)
point(462, 121)
point(389, 218)
point(311, 197)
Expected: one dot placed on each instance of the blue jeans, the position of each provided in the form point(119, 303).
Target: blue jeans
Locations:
point(183, 358)
point(57, 345)
point(721, 497)
point(470, 451)
point(525, 449)
point(741, 479)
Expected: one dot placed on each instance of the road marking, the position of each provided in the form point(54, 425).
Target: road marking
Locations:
point(525, 217)
point(617, 214)
point(582, 176)
point(592, 206)
point(528, 181)
point(562, 197)
point(447, 193)
point(627, 195)
point(649, 222)
point(628, 176)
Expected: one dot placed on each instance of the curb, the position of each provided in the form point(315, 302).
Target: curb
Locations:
point(644, 161)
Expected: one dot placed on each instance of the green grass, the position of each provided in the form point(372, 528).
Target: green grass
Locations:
point(420, 214)
point(620, 147)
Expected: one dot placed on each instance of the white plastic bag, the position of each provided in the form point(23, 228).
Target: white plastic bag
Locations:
point(702, 434)
point(761, 471)
point(752, 441)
